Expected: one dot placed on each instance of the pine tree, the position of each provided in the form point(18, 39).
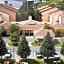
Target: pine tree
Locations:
point(47, 47)
point(23, 48)
point(14, 38)
point(3, 48)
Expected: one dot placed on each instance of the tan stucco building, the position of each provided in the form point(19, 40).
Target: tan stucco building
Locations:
point(7, 13)
point(51, 14)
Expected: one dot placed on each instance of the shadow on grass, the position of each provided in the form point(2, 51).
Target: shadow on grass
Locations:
point(54, 61)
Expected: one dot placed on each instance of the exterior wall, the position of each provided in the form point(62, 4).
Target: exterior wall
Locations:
point(46, 14)
point(4, 16)
point(1, 18)
point(45, 17)
point(12, 14)
point(62, 19)
point(55, 18)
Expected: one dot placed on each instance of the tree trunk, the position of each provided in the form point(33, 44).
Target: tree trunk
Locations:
point(47, 57)
point(1, 57)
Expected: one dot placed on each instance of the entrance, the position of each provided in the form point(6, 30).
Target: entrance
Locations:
point(27, 32)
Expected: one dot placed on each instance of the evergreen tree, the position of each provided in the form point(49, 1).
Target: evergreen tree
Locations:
point(3, 48)
point(62, 49)
point(3, 31)
point(23, 48)
point(14, 28)
point(14, 38)
point(47, 47)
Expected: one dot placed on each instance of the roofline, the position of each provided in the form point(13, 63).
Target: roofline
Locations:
point(10, 8)
point(43, 7)
point(46, 10)
point(4, 12)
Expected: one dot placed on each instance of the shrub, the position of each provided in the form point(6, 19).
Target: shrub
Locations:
point(30, 61)
point(10, 60)
point(57, 32)
point(13, 44)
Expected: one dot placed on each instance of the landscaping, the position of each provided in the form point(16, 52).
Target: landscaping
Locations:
point(12, 44)
point(59, 44)
point(9, 60)
point(35, 43)
point(32, 61)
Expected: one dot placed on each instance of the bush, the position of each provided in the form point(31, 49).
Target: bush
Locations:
point(30, 61)
point(10, 60)
point(57, 33)
point(13, 44)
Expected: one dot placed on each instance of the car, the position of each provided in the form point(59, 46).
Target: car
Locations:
point(8, 54)
point(38, 54)
point(56, 55)
point(53, 56)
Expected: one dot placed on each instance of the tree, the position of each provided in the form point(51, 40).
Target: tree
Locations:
point(47, 47)
point(14, 28)
point(57, 32)
point(62, 49)
point(3, 31)
point(3, 48)
point(61, 5)
point(23, 48)
point(54, 3)
point(14, 38)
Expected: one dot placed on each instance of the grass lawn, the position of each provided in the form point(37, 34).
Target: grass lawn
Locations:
point(11, 44)
point(59, 44)
point(10, 60)
point(32, 61)
point(41, 61)
point(35, 44)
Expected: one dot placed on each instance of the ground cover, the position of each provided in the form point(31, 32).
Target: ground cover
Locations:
point(10, 60)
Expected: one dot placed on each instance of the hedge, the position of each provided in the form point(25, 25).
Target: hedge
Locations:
point(10, 60)
point(30, 61)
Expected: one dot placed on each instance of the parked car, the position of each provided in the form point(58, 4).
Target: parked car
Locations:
point(53, 56)
point(38, 54)
point(8, 54)
point(56, 55)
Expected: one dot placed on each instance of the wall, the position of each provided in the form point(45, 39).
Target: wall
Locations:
point(5, 17)
point(12, 14)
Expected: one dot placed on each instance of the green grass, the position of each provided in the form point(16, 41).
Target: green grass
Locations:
point(41, 61)
point(10, 43)
point(32, 61)
point(59, 44)
point(10, 60)
point(35, 44)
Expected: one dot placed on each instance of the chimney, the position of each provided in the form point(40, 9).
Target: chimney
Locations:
point(30, 17)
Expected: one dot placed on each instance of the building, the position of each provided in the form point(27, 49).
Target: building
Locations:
point(28, 26)
point(7, 13)
point(41, 33)
point(51, 14)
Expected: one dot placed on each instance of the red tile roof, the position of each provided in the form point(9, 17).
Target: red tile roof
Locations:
point(42, 32)
point(57, 25)
point(5, 24)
